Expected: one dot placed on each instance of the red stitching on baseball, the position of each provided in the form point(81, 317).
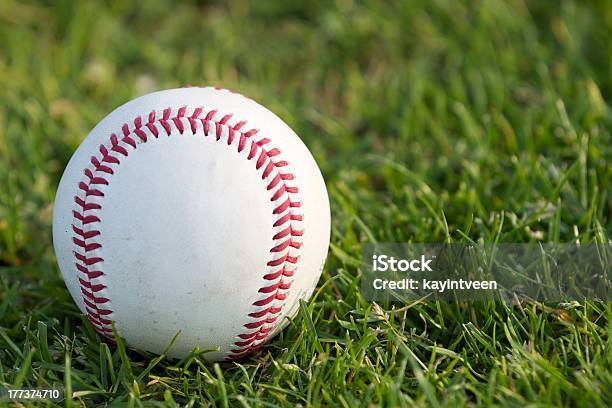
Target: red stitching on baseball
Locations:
point(264, 318)
point(275, 275)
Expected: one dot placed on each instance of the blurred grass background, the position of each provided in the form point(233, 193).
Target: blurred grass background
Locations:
point(432, 121)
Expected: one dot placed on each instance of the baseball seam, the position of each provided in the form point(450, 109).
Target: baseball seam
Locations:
point(275, 173)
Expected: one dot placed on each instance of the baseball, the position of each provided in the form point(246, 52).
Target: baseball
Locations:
point(192, 210)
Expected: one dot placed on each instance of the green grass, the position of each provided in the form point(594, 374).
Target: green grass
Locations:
point(432, 121)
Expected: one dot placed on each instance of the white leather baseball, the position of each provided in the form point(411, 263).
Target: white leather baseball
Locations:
point(194, 210)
